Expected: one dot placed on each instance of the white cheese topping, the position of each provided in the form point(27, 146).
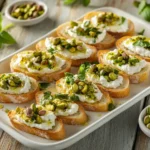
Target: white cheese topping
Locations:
point(127, 68)
point(49, 123)
point(67, 53)
point(136, 49)
point(73, 109)
point(118, 27)
point(89, 40)
point(19, 90)
point(101, 80)
point(59, 64)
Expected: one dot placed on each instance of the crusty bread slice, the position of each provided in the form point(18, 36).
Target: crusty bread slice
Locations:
point(77, 119)
point(135, 78)
point(41, 46)
point(102, 106)
point(49, 77)
point(122, 91)
point(108, 42)
point(119, 45)
point(58, 133)
point(20, 98)
point(130, 31)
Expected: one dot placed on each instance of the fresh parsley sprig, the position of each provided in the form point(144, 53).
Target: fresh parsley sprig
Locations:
point(70, 2)
point(5, 37)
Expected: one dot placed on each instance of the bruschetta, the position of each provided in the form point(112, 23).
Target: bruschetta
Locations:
point(88, 34)
point(135, 45)
point(40, 65)
point(114, 24)
point(17, 88)
point(135, 68)
point(63, 106)
point(38, 121)
point(73, 49)
point(106, 78)
point(85, 93)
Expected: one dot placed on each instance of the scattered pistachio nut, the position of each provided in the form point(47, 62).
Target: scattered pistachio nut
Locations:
point(29, 112)
point(42, 112)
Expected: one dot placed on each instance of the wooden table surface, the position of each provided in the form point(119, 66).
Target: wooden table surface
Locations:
point(122, 132)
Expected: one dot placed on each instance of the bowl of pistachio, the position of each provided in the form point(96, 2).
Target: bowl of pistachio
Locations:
point(144, 120)
point(26, 12)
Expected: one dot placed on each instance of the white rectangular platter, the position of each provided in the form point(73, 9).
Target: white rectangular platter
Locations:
point(75, 133)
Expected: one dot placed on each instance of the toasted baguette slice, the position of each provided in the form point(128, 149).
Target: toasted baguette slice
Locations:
point(108, 42)
point(102, 106)
point(41, 46)
point(135, 78)
point(119, 92)
point(49, 77)
point(58, 133)
point(77, 119)
point(119, 45)
point(130, 31)
point(20, 98)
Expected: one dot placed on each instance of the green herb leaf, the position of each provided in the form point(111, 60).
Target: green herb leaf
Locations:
point(142, 43)
point(69, 2)
point(61, 96)
point(146, 13)
point(7, 38)
point(141, 32)
point(86, 2)
point(122, 20)
point(74, 97)
point(111, 106)
point(47, 95)
point(51, 50)
point(142, 6)
point(82, 70)
point(8, 27)
point(136, 3)
point(43, 86)
point(69, 78)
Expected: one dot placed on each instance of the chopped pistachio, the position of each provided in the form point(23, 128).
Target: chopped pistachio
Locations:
point(1, 106)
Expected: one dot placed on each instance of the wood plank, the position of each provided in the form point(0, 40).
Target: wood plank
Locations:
point(120, 131)
point(142, 141)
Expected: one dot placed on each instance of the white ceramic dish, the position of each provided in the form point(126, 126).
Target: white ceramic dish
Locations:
point(30, 21)
point(141, 123)
point(75, 133)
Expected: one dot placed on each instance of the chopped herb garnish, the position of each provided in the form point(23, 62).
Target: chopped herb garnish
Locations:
point(111, 106)
point(141, 32)
point(69, 78)
point(43, 86)
point(47, 95)
point(142, 43)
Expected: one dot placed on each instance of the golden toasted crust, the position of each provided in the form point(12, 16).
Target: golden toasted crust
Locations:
point(108, 42)
point(77, 119)
point(119, 45)
point(130, 31)
point(20, 98)
point(49, 77)
point(58, 133)
point(41, 46)
point(103, 105)
point(119, 92)
point(135, 78)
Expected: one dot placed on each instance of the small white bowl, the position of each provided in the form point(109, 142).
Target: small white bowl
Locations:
point(141, 123)
point(30, 21)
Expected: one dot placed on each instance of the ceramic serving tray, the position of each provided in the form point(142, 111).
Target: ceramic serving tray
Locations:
point(75, 133)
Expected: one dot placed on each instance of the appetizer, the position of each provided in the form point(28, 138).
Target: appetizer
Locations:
point(17, 88)
point(73, 49)
point(137, 69)
point(85, 32)
point(135, 45)
point(39, 121)
point(85, 93)
point(106, 78)
point(63, 106)
point(40, 65)
point(117, 26)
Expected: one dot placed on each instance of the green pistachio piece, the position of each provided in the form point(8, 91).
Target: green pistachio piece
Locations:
point(75, 87)
point(107, 78)
point(50, 107)
point(33, 107)
point(62, 105)
point(72, 49)
point(148, 111)
point(146, 120)
point(148, 125)
point(91, 33)
point(112, 76)
point(84, 90)
point(40, 12)
point(120, 58)
point(39, 119)
point(37, 54)
point(1, 106)
point(72, 23)
point(81, 83)
point(18, 110)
